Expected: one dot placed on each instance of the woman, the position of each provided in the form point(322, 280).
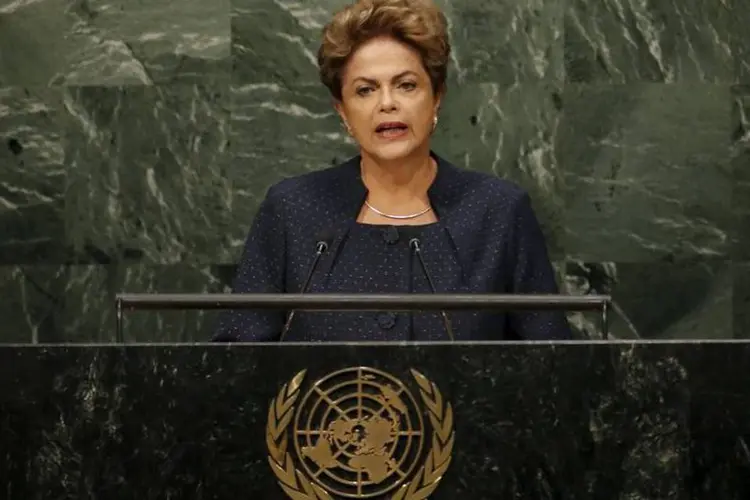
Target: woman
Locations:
point(384, 62)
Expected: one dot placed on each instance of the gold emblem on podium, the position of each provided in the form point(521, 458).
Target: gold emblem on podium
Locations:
point(359, 433)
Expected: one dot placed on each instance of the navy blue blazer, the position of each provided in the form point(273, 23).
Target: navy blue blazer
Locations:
point(487, 240)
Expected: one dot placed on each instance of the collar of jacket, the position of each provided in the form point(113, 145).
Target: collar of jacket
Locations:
point(443, 193)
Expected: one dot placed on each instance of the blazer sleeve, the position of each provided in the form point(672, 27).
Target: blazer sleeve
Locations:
point(532, 273)
point(261, 270)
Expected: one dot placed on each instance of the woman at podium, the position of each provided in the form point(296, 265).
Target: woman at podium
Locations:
point(397, 218)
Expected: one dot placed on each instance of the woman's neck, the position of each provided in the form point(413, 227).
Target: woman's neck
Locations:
point(398, 181)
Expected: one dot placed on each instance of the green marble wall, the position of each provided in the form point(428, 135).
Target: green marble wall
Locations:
point(138, 138)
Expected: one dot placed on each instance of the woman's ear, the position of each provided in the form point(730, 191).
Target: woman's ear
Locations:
point(439, 99)
point(339, 107)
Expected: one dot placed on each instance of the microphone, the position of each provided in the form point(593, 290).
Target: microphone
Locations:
point(416, 246)
point(321, 247)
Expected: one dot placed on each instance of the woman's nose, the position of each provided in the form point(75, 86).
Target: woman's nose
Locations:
point(387, 101)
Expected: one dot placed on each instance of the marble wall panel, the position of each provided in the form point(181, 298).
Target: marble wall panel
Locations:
point(612, 41)
point(32, 176)
point(741, 170)
point(147, 173)
point(113, 42)
point(652, 180)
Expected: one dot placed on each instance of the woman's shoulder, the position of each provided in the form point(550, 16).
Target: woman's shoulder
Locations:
point(317, 182)
point(336, 187)
point(474, 186)
point(322, 197)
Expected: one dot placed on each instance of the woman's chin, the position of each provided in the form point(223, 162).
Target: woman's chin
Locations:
point(394, 151)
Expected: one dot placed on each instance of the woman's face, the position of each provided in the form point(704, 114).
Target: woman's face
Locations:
point(387, 100)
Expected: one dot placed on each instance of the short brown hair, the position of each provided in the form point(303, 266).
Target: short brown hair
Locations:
point(418, 23)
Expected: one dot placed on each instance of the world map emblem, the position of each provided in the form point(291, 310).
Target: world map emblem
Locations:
point(359, 433)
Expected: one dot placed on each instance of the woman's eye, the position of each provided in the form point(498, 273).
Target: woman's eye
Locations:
point(363, 90)
point(409, 85)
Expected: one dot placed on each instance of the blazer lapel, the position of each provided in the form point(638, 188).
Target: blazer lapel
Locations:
point(348, 194)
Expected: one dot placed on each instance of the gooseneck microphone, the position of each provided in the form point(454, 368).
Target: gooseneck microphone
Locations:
point(416, 246)
point(321, 247)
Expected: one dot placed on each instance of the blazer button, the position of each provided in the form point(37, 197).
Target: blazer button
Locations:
point(387, 320)
point(390, 235)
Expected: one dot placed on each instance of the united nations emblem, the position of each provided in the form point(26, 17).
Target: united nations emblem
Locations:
point(359, 433)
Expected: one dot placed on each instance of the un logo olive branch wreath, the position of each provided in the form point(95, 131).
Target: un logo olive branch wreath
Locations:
point(298, 487)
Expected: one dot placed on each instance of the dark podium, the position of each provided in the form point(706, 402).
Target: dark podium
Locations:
point(568, 420)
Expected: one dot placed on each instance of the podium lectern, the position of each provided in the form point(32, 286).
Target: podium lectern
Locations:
point(494, 420)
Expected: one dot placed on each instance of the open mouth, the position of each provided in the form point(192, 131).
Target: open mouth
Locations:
point(391, 129)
